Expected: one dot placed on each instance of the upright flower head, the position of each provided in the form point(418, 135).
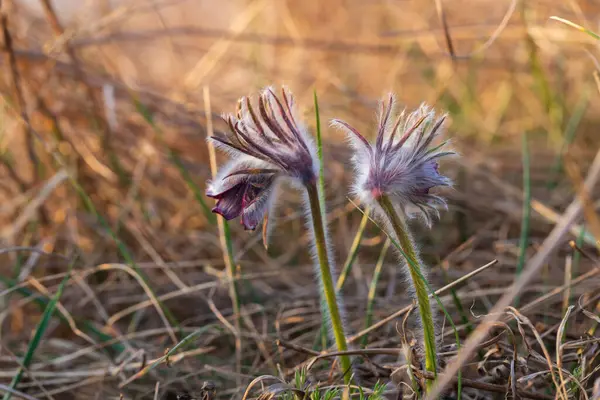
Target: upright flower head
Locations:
point(401, 163)
point(266, 143)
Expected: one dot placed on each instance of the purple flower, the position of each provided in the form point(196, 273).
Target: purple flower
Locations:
point(401, 163)
point(266, 145)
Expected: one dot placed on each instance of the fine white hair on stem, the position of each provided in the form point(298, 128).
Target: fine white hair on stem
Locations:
point(332, 268)
point(313, 253)
point(396, 172)
point(268, 143)
point(385, 224)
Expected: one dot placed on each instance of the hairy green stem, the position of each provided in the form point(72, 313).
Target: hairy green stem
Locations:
point(327, 279)
point(420, 285)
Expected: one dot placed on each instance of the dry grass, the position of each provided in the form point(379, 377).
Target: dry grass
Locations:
point(104, 160)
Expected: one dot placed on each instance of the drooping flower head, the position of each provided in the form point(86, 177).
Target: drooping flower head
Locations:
point(266, 143)
point(402, 163)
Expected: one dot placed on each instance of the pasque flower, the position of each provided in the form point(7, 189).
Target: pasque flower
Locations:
point(396, 172)
point(401, 163)
point(267, 145)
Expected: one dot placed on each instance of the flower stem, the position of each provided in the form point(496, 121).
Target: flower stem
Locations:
point(327, 279)
point(410, 252)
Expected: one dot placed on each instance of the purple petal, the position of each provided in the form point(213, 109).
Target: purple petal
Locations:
point(383, 121)
point(229, 202)
point(250, 220)
point(247, 198)
point(268, 132)
point(354, 132)
point(432, 169)
point(252, 193)
point(287, 119)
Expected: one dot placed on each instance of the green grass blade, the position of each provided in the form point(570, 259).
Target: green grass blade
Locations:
point(320, 343)
point(25, 292)
point(524, 240)
point(174, 158)
point(458, 304)
point(230, 256)
point(37, 336)
point(320, 155)
point(569, 135)
point(576, 26)
point(42, 303)
point(579, 241)
point(577, 255)
point(542, 85)
point(353, 252)
point(320, 233)
point(373, 289)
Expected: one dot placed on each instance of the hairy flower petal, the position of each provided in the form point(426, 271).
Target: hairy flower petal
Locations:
point(265, 142)
point(247, 197)
point(401, 163)
point(228, 204)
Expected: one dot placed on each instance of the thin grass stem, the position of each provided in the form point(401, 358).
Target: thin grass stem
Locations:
point(569, 136)
point(548, 96)
point(226, 245)
point(577, 256)
point(320, 154)
point(323, 331)
point(37, 336)
point(524, 240)
point(353, 251)
point(576, 26)
point(373, 288)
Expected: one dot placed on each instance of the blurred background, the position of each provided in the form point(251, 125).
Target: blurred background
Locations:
point(103, 126)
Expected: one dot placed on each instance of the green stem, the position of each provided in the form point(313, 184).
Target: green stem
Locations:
point(420, 285)
point(524, 239)
point(373, 289)
point(327, 279)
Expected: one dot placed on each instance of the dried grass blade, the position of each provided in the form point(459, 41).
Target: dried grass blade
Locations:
point(192, 336)
point(226, 245)
point(353, 252)
point(571, 214)
point(145, 112)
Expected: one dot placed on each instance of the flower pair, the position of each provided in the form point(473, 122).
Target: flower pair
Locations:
point(269, 144)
